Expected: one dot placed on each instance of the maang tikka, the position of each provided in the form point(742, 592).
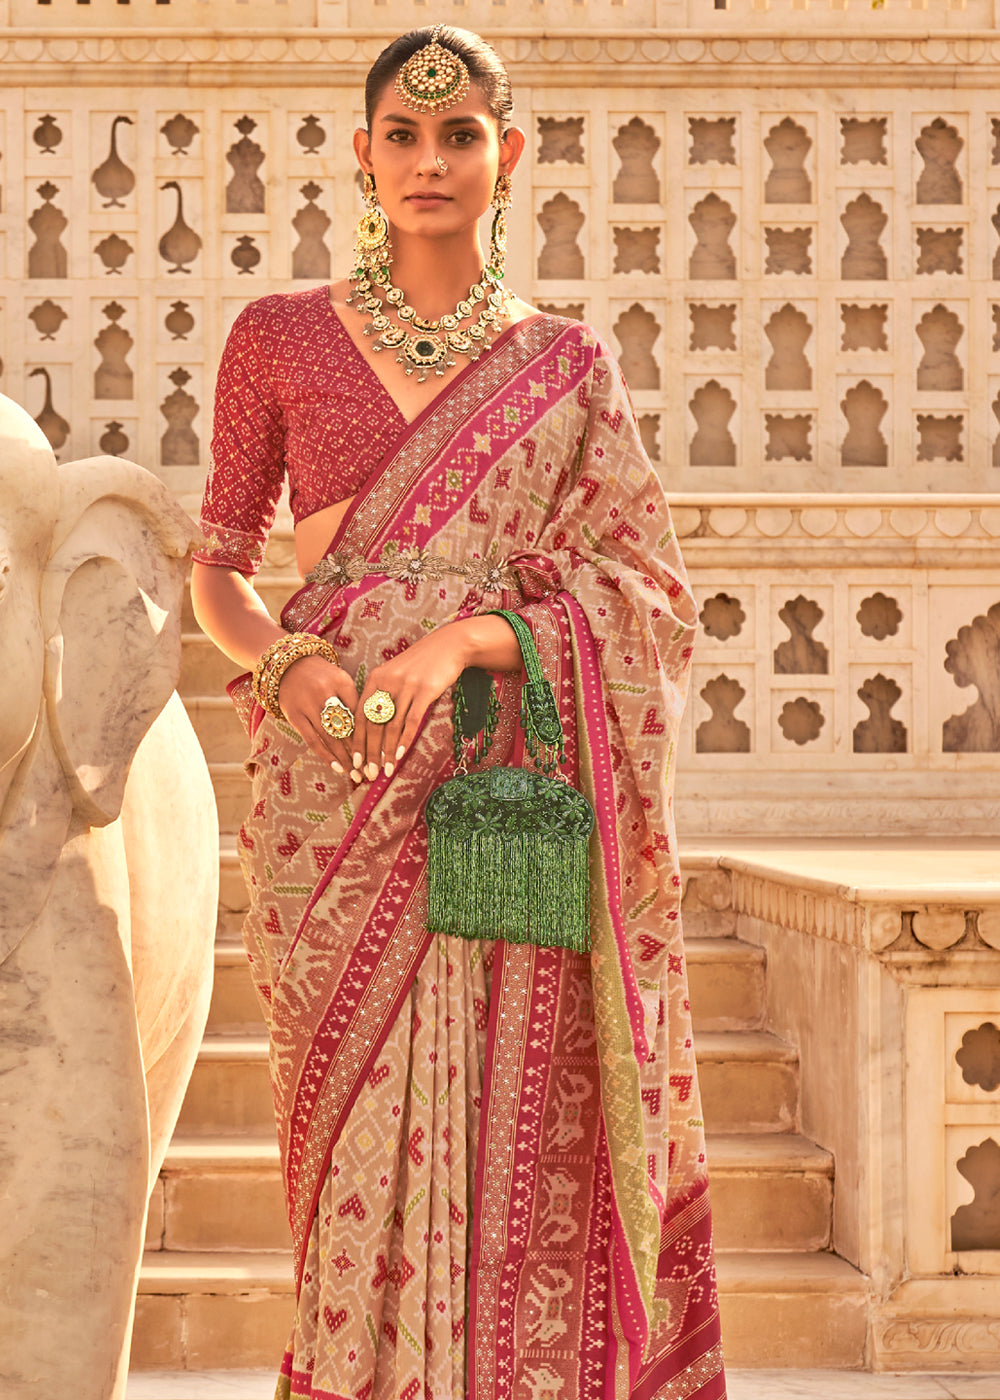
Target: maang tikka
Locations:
point(432, 79)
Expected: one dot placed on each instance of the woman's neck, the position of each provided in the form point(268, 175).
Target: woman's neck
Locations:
point(435, 274)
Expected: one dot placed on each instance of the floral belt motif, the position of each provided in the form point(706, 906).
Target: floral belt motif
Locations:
point(489, 575)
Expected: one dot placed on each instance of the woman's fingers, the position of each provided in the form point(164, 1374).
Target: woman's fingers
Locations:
point(390, 738)
point(359, 742)
point(327, 749)
point(377, 746)
point(373, 741)
point(332, 752)
point(413, 680)
point(409, 730)
point(305, 688)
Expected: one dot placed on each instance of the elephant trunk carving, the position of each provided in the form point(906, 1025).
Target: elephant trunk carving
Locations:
point(109, 886)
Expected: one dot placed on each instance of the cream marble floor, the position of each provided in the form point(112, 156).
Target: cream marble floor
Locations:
point(743, 1385)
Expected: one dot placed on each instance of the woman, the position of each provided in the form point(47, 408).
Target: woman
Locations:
point(493, 1153)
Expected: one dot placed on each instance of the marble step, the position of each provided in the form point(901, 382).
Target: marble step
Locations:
point(211, 1310)
point(749, 1084)
point(234, 1007)
point(770, 1191)
point(784, 1310)
point(232, 892)
point(725, 980)
point(229, 1091)
point(726, 983)
point(232, 795)
point(221, 735)
point(205, 670)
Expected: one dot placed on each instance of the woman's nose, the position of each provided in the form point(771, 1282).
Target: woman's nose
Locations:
point(430, 160)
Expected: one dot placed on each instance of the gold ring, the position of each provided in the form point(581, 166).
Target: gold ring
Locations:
point(379, 707)
point(337, 719)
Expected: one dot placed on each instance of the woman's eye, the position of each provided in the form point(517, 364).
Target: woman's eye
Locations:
point(399, 135)
point(463, 138)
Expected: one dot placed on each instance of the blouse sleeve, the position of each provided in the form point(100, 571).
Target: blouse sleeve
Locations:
point(248, 466)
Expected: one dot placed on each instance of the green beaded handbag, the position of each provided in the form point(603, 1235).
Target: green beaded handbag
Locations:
point(508, 848)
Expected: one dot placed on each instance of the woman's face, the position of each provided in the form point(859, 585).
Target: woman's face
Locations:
point(402, 153)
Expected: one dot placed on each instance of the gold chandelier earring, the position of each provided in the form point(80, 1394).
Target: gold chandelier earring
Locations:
point(498, 233)
point(372, 250)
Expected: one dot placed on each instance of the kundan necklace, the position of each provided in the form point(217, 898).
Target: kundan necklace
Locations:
point(422, 345)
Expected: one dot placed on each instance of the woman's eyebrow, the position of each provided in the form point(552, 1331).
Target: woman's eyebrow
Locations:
point(409, 121)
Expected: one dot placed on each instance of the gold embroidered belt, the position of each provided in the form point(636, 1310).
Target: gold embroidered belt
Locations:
point(413, 565)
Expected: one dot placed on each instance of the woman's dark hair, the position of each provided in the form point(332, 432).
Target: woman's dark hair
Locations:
point(483, 63)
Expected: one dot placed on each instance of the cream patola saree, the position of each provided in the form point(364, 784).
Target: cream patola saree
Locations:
point(493, 1154)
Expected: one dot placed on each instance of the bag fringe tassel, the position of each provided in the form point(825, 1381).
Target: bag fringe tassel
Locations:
point(515, 887)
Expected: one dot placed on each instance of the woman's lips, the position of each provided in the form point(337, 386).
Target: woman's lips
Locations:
point(428, 199)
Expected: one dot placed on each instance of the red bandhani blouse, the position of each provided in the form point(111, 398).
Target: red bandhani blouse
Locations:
point(294, 397)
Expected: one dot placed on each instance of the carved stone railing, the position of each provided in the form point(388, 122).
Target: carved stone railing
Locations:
point(883, 969)
point(72, 38)
point(885, 17)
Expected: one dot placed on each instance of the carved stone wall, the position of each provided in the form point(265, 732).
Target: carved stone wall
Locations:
point(793, 243)
point(790, 235)
point(845, 674)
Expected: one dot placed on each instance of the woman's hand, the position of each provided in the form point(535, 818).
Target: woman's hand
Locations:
point(304, 690)
point(420, 675)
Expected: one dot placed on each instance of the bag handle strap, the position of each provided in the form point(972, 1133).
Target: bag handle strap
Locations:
point(540, 721)
point(543, 733)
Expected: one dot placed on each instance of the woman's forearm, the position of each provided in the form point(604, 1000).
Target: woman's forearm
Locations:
point(489, 642)
point(231, 613)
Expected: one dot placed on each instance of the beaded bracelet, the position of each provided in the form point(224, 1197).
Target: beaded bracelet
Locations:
point(275, 661)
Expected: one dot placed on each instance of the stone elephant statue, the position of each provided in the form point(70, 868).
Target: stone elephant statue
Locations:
point(108, 894)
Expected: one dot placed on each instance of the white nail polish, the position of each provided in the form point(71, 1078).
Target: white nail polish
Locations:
point(336, 767)
point(400, 751)
point(355, 776)
point(389, 770)
point(357, 762)
point(371, 770)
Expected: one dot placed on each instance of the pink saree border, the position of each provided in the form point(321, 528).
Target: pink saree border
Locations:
point(599, 747)
point(416, 457)
point(690, 1370)
point(631, 1308)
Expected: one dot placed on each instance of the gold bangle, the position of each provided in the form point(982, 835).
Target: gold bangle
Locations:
point(275, 661)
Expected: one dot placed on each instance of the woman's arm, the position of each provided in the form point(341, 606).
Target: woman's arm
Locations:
point(232, 614)
point(230, 611)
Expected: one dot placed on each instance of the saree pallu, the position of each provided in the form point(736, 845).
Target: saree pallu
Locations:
point(493, 1154)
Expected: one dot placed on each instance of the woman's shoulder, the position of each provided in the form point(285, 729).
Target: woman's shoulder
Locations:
point(280, 312)
point(579, 339)
point(571, 329)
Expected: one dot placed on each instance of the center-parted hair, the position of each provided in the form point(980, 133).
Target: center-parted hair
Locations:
point(484, 65)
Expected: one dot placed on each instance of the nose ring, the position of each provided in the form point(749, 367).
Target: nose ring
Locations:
point(441, 165)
